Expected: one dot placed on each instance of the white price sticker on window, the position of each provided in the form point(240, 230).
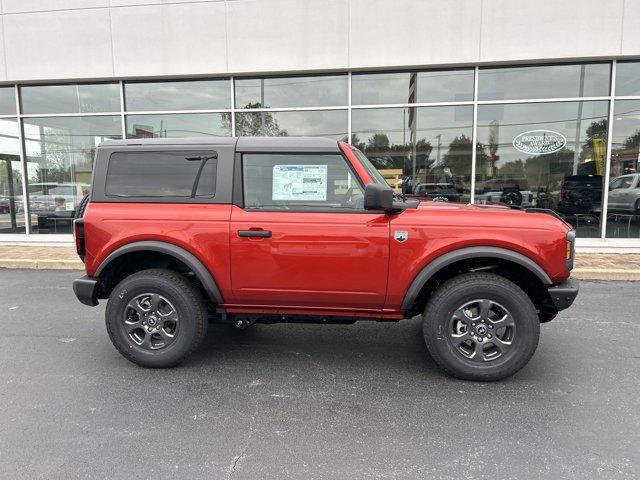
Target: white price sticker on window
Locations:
point(299, 182)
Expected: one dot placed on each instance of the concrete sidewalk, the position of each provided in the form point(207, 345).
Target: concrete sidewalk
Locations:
point(588, 266)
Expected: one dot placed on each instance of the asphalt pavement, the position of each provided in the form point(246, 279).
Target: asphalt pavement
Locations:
point(312, 401)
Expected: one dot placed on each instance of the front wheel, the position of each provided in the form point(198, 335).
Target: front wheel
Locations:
point(480, 326)
point(156, 318)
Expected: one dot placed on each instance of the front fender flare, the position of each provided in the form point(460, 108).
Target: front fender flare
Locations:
point(448, 258)
point(179, 253)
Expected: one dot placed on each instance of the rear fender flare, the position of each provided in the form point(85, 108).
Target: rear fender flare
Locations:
point(186, 257)
point(442, 261)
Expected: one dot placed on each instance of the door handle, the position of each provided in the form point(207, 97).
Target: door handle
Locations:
point(255, 233)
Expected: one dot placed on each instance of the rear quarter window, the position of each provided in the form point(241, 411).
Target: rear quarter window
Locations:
point(177, 174)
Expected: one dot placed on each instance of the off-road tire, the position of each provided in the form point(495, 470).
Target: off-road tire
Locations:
point(466, 288)
point(82, 206)
point(190, 307)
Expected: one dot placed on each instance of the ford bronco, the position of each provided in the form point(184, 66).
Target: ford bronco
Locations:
point(177, 233)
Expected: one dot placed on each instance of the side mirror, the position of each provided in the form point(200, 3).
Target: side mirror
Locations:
point(378, 197)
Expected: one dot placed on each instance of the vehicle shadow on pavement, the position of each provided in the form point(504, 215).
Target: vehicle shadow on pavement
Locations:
point(364, 346)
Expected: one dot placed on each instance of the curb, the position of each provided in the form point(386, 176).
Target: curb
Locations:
point(605, 274)
point(15, 263)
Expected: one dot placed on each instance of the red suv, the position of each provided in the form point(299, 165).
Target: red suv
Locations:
point(178, 233)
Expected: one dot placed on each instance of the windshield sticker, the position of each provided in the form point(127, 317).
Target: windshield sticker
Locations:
point(539, 142)
point(299, 182)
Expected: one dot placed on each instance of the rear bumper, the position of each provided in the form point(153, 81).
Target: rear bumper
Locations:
point(86, 291)
point(564, 293)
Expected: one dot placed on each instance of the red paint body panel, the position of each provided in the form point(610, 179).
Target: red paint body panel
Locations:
point(202, 229)
point(436, 228)
point(329, 312)
point(312, 259)
point(355, 163)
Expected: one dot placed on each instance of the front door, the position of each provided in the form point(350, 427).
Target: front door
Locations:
point(302, 237)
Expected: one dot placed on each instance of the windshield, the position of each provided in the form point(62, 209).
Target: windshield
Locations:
point(368, 166)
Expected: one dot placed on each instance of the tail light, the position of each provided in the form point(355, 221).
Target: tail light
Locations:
point(78, 235)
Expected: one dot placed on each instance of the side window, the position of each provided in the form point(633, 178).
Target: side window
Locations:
point(616, 184)
point(622, 182)
point(185, 174)
point(299, 181)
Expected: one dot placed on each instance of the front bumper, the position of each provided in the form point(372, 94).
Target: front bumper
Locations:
point(563, 294)
point(86, 291)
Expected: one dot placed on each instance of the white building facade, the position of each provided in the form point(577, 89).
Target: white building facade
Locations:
point(547, 91)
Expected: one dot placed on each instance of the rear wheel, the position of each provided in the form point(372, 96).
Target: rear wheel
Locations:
point(481, 326)
point(156, 318)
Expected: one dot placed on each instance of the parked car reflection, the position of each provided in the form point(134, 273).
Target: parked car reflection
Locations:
point(512, 191)
point(624, 194)
point(444, 192)
point(581, 194)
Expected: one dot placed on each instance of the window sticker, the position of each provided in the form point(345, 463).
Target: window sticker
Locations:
point(299, 182)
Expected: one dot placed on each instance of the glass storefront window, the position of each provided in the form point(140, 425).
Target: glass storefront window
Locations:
point(7, 101)
point(11, 195)
point(628, 78)
point(60, 153)
point(421, 151)
point(547, 81)
point(177, 95)
point(623, 205)
point(412, 87)
point(178, 125)
point(319, 123)
point(546, 155)
point(78, 98)
point(286, 92)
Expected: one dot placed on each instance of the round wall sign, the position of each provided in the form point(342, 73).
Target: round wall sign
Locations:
point(540, 142)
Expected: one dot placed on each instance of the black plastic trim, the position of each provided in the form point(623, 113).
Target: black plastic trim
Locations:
point(238, 191)
point(464, 254)
point(563, 294)
point(201, 272)
point(254, 233)
point(85, 289)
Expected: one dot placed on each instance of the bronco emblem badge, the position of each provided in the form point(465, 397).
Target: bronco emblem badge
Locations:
point(400, 236)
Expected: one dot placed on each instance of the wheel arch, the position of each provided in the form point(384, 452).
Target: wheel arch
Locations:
point(522, 270)
point(166, 250)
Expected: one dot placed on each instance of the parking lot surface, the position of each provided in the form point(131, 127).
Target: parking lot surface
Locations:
point(312, 401)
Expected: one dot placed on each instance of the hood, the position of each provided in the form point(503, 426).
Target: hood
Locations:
point(449, 213)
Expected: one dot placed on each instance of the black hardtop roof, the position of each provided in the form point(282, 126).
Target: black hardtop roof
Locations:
point(242, 144)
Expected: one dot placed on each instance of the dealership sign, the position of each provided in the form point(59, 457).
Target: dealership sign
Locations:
point(539, 142)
